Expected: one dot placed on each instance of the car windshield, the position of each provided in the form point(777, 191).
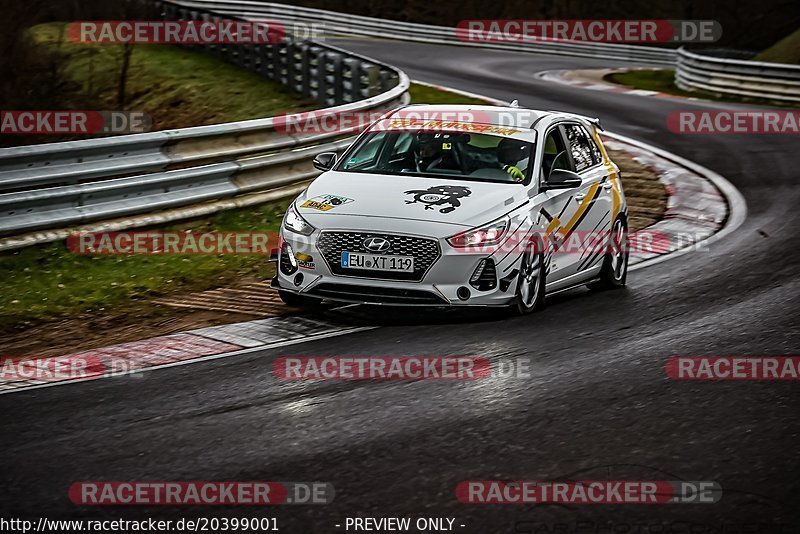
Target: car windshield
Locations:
point(459, 155)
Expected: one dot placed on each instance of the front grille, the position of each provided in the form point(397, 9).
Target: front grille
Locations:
point(424, 251)
point(375, 295)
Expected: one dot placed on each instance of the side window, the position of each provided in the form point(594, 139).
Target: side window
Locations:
point(555, 153)
point(367, 152)
point(580, 146)
point(597, 156)
point(403, 143)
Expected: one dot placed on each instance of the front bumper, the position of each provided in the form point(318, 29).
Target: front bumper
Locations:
point(444, 282)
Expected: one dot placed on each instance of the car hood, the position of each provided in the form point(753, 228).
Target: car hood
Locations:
point(336, 196)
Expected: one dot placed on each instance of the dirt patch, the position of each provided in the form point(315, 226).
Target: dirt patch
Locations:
point(647, 198)
point(156, 317)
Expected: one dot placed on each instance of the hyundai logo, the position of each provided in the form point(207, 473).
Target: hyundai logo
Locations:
point(376, 244)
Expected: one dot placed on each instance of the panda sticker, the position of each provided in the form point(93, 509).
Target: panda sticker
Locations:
point(445, 197)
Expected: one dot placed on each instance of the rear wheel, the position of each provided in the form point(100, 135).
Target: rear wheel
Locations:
point(614, 273)
point(530, 283)
point(299, 301)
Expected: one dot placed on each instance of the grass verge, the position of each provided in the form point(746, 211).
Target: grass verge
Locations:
point(663, 81)
point(47, 283)
point(175, 87)
point(787, 50)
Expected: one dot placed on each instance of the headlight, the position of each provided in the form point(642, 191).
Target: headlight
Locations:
point(295, 223)
point(488, 235)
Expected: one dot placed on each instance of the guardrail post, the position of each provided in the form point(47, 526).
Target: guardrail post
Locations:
point(315, 67)
point(266, 67)
point(351, 79)
point(220, 50)
point(332, 84)
point(389, 79)
point(280, 58)
point(369, 80)
point(302, 76)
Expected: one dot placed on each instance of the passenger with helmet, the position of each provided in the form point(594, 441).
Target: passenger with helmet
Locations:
point(510, 153)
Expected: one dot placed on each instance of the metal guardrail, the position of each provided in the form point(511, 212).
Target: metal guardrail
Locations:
point(732, 76)
point(64, 184)
point(360, 26)
point(737, 77)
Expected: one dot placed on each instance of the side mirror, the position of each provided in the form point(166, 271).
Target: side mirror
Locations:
point(325, 161)
point(563, 179)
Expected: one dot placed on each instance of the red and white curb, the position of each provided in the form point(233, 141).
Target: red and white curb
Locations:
point(593, 80)
point(701, 203)
point(183, 348)
point(696, 209)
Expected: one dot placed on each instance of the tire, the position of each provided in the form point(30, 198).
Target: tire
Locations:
point(614, 272)
point(299, 301)
point(529, 296)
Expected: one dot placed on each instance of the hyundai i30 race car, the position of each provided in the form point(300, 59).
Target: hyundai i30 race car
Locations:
point(458, 206)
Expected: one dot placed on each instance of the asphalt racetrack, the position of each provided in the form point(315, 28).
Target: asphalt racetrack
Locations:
point(597, 406)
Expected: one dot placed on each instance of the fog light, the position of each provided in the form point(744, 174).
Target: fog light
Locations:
point(463, 293)
point(298, 279)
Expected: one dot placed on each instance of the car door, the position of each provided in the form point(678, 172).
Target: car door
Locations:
point(590, 230)
point(555, 210)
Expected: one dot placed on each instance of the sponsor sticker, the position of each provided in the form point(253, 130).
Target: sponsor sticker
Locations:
point(305, 261)
point(325, 202)
point(439, 125)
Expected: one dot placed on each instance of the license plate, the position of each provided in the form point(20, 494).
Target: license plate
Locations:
point(377, 262)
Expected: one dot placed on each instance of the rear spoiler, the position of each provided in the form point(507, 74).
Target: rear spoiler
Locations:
point(591, 120)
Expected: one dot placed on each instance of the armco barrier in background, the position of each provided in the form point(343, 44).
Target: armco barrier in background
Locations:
point(708, 71)
point(717, 74)
point(65, 184)
point(343, 24)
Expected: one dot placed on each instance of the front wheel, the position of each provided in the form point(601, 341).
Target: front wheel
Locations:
point(614, 272)
point(530, 283)
point(299, 301)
